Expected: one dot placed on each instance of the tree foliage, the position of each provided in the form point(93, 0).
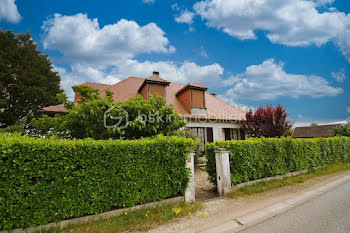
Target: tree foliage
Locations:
point(27, 82)
point(267, 122)
point(343, 130)
point(132, 119)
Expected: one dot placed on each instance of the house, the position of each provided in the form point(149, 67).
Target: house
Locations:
point(211, 118)
point(320, 131)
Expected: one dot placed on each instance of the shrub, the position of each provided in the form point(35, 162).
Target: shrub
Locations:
point(343, 130)
point(86, 118)
point(198, 147)
point(254, 159)
point(44, 180)
point(267, 122)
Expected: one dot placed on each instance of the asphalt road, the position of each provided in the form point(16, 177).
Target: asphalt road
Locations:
point(329, 212)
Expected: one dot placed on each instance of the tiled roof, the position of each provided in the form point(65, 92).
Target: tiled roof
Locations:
point(323, 131)
point(56, 108)
point(216, 108)
point(195, 84)
point(98, 86)
point(156, 78)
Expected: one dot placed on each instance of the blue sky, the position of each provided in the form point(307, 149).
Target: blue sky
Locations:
point(293, 52)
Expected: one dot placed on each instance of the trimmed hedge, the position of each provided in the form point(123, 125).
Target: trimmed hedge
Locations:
point(45, 180)
point(254, 159)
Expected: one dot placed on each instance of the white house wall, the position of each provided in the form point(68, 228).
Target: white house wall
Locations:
point(218, 128)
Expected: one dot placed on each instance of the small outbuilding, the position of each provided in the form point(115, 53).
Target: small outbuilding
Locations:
point(319, 131)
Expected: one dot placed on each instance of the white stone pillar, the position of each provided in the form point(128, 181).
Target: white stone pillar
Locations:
point(190, 191)
point(223, 175)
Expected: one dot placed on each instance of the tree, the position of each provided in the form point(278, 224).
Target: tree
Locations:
point(267, 122)
point(313, 124)
point(27, 82)
point(343, 130)
point(90, 115)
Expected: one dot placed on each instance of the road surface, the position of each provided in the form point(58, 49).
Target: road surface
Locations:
point(329, 212)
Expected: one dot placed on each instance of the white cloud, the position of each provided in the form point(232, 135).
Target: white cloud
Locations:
point(300, 116)
point(80, 74)
point(182, 73)
point(348, 109)
point(149, 1)
point(269, 81)
point(203, 53)
point(9, 12)
point(323, 2)
point(185, 17)
point(303, 124)
point(339, 76)
point(288, 22)
point(175, 6)
point(81, 39)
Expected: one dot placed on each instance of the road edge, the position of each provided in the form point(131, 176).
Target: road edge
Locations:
point(261, 215)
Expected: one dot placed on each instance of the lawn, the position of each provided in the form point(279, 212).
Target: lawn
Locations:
point(138, 220)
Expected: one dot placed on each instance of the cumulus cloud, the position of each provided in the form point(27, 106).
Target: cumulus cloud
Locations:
point(269, 81)
point(149, 1)
point(288, 22)
point(323, 2)
point(81, 73)
point(203, 53)
point(179, 73)
point(185, 17)
point(81, 39)
point(9, 12)
point(339, 76)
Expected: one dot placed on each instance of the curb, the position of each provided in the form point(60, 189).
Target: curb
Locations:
point(88, 218)
point(256, 217)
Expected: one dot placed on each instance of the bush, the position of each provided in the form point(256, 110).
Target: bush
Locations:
point(88, 117)
point(343, 130)
point(254, 159)
point(198, 147)
point(44, 180)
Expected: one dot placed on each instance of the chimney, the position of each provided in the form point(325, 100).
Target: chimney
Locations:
point(213, 94)
point(155, 73)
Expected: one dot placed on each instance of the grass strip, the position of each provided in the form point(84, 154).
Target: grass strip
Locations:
point(138, 220)
point(278, 183)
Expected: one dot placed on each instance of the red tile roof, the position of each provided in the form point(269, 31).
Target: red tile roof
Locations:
point(98, 86)
point(195, 84)
point(128, 88)
point(56, 108)
point(156, 78)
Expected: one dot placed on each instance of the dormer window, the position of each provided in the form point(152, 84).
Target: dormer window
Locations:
point(192, 97)
point(154, 85)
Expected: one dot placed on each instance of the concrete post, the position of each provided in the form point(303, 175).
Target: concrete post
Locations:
point(190, 191)
point(223, 175)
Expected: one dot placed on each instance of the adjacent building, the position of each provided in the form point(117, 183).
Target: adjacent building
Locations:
point(320, 131)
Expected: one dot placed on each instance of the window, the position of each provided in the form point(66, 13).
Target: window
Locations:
point(200, 132)
point(205, 134)
point(231, 134)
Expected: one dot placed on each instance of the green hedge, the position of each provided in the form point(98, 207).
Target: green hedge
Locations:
point(254, 159)
point(45, 180)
